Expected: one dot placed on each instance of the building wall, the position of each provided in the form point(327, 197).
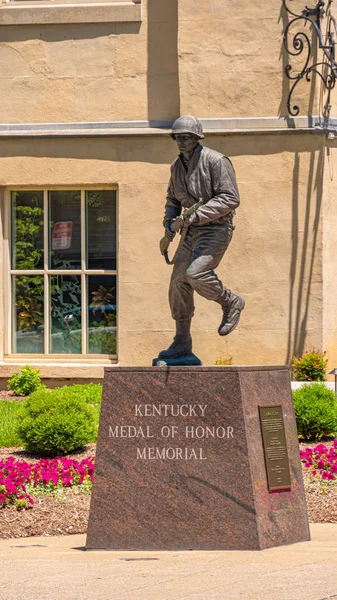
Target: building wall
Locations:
point(215, 60)
point(231, 60)
point(274, 260)
point(92, 71)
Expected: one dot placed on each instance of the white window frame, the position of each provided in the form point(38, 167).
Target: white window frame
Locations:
point(46, 272)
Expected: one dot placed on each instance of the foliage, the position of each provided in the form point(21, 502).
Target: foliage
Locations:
point(90, 392)
point(101, 339)
point(228, 360)
point(9, 412)
point(30, 313)
point(310, 367)
point(316, 411)
point(19, 479)
point(95, 199)
point(102, 298)
point(25, 383)
point(321, 461)
point(56, 422)
point(28, 225)
point(28, 256)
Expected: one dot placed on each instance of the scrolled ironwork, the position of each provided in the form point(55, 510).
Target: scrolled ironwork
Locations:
point(301, 43)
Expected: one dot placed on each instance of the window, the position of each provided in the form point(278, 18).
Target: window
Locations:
point(63, 272)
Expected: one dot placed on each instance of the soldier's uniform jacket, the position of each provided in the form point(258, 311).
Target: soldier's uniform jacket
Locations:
point(208, 175)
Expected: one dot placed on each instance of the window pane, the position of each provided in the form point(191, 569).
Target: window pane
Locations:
point(27, 230)
point(102, 310)
point(101, 229)
point(65, 329)
point(28, 314)
point(65, 230)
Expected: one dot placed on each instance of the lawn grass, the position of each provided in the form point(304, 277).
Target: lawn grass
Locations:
point(9, 414)
point(8, 424)
point(97, 410)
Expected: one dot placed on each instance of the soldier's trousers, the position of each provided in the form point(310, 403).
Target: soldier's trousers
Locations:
point(201, 252)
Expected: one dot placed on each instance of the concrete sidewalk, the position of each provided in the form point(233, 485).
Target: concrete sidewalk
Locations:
point(58, 568)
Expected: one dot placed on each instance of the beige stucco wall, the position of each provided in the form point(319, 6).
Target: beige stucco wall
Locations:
point(213, 59)
point(274, 260)
point(231, 60)
point(91, 72)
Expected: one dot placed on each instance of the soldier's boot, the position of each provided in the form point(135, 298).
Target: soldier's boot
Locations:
point(232, 305)
point(182, 342)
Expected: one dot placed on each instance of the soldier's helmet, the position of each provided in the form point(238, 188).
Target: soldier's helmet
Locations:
point(187, 125)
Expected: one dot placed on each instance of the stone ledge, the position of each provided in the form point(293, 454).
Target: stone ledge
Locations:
point(162, 127)
point(70, 13)
point(57, 371)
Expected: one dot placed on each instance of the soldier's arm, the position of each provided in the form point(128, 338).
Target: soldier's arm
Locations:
point(172, 206)
point(226, 194)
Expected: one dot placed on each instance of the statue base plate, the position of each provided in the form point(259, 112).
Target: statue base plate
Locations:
point(187, 360)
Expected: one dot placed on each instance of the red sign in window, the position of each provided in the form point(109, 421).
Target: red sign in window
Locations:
point(62, 235)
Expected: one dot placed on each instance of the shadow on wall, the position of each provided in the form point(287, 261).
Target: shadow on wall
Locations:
point(163, 79)
point(302, 260)
point(299, 62)
point(304, 227)
point(59, 33)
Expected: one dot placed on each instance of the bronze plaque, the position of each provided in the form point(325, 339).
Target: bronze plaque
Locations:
point(275, 448)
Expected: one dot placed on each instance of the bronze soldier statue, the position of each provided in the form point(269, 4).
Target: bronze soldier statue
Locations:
point(203, 181)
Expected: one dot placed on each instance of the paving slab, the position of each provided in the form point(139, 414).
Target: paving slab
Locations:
point(59, 568)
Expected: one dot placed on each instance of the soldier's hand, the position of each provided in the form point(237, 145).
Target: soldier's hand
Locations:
point(177, 224)
point(168, 233)
point(193, 219)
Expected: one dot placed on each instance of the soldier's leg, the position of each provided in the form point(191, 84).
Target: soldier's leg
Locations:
point(210, 244)
point(181, 303)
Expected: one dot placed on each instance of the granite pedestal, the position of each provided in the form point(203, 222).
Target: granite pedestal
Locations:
point(181, 462)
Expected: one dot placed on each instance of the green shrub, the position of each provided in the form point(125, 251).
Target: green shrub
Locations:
point(316, 411)
point(310, 367)
point(57, 421)
point(227, 360)
point(25, 383)
point(9, 415)
point(90, 392)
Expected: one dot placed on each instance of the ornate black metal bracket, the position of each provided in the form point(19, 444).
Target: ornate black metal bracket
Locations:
point(300, 43)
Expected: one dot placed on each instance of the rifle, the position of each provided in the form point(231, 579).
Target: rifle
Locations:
point(165, 243)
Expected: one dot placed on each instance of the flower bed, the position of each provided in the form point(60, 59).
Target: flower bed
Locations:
point(19, 479)
point(321, 461)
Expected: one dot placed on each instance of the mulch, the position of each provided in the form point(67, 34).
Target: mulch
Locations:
point(62, 514)
point(8, 395)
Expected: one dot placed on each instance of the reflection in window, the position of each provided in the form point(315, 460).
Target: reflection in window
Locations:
point(65, 299)
point(28, 312)
point(101, 229)
point(27, 230)
point(102, 314)
point(65, 230)
point(76, 287)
